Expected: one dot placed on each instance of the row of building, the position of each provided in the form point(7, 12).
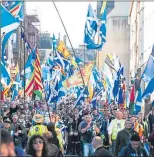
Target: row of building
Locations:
point(130, 26)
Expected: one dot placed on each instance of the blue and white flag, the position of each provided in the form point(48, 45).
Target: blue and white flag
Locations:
point(52, 94)
point(138, 105)
point(60, 60)
point(91, 28)
point(7, 27)
point(5, 76)
point(84, 93)
point(149, 89)
point(149, 70)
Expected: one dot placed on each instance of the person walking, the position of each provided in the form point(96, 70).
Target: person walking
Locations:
point(38, 128)
point(37, 147)
point(124, 136)
point(134, 148)
point(115, 126)
point(100, 151)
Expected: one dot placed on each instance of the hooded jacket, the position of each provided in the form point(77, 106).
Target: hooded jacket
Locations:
point(128, 151)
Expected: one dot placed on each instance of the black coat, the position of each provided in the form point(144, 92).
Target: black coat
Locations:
point(123, 138)
point(102, 152)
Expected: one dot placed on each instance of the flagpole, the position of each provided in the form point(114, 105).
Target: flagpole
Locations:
point(68, 39)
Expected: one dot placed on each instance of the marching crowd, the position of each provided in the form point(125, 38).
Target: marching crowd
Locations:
point(37, 129)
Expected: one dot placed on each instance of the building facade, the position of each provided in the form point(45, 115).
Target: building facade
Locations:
point(141, 20)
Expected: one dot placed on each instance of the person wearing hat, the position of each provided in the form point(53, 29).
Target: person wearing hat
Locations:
point(7, 125)
point(38, 128)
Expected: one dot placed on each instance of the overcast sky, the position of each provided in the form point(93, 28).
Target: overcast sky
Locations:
point(72, 13)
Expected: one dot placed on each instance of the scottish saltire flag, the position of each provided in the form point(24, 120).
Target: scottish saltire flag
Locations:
point(149, 70)
point(5, 76)
point(61, 61)
point(138, 105)
point(149, 89)
point(52, 95)
point(10, 24)
point(54, 43)
point(91, 27)
point(7, 27)
point(82, 96)
point(117, 81)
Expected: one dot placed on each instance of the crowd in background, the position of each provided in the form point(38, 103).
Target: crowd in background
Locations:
point(36, 129)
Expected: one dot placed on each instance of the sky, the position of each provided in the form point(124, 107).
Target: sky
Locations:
point(72, 13)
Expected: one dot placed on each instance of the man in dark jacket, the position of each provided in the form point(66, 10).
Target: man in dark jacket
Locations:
point(124, 136)
point(133, 149)
point(100, 151)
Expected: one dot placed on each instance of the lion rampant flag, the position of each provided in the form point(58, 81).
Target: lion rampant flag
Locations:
point(76, 79)
point(63, 50)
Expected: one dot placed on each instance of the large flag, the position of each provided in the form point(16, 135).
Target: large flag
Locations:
point(91, 26)
point(34, 84)
point(52, 93)
point(82, 96)
point(149, 89)
point(63, 50)
point(38, 86)
point(76, 79)
point(7, 27)
point(117, 82)
point(61, 61)
point(149, 70)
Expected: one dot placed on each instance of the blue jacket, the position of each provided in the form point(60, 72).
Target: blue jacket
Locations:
point(128, 151)
point(19, 152)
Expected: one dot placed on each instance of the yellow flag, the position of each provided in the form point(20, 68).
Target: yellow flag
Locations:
point(63, 50)
point(90, 90)
point(76, 79)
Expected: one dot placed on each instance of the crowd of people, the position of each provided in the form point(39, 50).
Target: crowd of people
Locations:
point(37, 129)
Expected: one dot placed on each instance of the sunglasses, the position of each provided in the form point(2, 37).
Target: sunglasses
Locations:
point(38, 142)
